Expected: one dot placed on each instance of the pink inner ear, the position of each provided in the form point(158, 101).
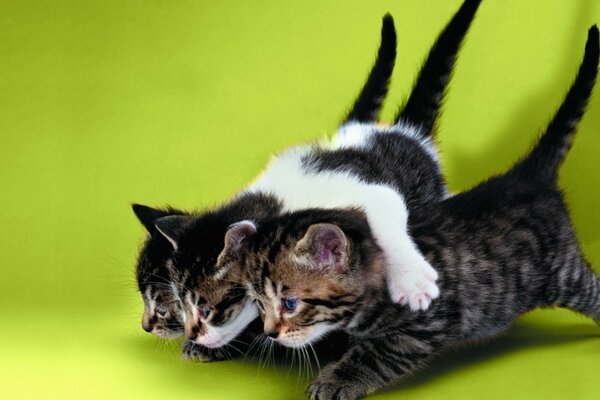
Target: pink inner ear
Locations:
point(329, 250)
point(238, 231)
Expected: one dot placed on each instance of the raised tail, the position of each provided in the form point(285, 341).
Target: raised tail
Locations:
point(423, 104)
point(367, 105)
point(547, 155)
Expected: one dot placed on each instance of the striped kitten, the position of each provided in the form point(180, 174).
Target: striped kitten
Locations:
point(163, 315)
point(384, 160)
point(503, 248)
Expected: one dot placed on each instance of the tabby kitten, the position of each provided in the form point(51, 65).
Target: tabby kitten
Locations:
point(215, 303)
point(503, 248)
point(163, 315)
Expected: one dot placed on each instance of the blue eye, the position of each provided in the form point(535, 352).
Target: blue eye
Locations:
point(290, 303)
point(205, 312)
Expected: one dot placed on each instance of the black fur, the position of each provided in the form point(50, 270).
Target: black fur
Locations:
point(367, 105)
point(148, 215)
point(423, 105)
point(546, 157)
point(202, 236)
point(394, 156)
point(156, 250)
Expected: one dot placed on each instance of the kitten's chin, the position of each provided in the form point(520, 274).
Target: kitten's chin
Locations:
point(293, 343)
point(314, 335)
point(213, 342)
point(220, 336)
point(167, 334)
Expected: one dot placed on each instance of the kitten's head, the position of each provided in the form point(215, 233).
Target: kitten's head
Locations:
point(206, 250)
point(311, 272)
point(163, 315)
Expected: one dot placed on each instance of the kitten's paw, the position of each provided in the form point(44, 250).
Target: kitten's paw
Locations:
point(195, 352)
point(331, 389)
point(414, 288)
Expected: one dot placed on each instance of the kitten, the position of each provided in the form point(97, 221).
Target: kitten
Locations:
point(503, 248)
point(163, 314)
point(400, 157)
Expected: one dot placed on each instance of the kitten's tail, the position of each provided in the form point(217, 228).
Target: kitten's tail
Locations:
point(423, 104)
point(547, 155)
point(367, 105)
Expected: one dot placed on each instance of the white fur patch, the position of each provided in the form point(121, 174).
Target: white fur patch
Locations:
point(150, 300)
point(352, 135)
point(357, 134)
point(411, 280)
point(220, 336)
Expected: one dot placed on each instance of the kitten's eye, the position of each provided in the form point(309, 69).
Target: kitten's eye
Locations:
point(205, 312)
point(290, 303)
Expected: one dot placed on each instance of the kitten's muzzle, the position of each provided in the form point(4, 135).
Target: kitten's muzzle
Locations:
point(272, 328)
point(148, 323)
point(192, 331)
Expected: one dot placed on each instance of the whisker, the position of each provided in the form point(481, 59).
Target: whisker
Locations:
point(316, 357)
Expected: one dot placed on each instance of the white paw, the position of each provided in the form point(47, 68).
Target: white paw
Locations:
point(415, 288)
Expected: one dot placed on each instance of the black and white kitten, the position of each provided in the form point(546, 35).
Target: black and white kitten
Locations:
point(365, 166)
point(503, 248)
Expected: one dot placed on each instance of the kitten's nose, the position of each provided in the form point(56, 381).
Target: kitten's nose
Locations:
point(192, 332)
point(147, 326)
point(149, 322)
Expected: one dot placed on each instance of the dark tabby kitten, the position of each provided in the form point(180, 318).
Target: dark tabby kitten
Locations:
point(217, 308)
point(503, 248)
point(163, 315)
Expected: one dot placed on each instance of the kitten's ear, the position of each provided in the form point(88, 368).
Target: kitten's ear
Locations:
point(325, 246)
point(148, 215)
point(234, 240)
point(172, 227)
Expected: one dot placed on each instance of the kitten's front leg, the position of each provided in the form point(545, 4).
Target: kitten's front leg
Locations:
point(195, 352)
point(411, 279)
point(367, 366)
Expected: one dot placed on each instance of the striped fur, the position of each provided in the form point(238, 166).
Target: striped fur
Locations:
point(503, 248)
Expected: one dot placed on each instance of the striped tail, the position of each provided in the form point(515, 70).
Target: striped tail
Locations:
point(423, 105)
point(547, 155)
point(367, 105)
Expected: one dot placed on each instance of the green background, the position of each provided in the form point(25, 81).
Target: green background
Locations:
point(109, 102)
